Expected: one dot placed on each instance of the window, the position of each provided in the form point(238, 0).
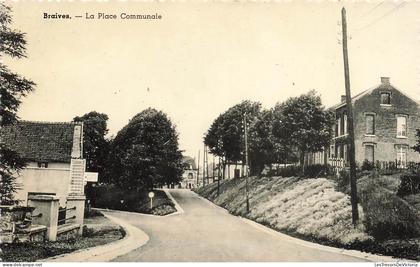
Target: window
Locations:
point(190, 176)
point(385, 98)
point(345, 124)
point(42, 164)
point(401, 126)
point(401, 156)
point(338, 128)
point(370, 124)
point(370, 153)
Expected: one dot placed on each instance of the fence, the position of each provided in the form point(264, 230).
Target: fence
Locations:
point(338, 164)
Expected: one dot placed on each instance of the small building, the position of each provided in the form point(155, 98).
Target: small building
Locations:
point(52, 183)
point(385, 123)
point(189, 175)
point(53, 152)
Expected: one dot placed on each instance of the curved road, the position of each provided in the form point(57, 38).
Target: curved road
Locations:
point(208, 233)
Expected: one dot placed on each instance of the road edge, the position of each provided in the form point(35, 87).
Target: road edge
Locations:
point(178, 208)
point(134, 238)
point(353, 253)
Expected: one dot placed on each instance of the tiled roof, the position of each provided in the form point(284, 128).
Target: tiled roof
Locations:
point(189, 160)
point(40, 141)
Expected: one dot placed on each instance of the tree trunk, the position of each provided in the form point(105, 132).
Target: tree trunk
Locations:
point(302, 161)
point(224, 169)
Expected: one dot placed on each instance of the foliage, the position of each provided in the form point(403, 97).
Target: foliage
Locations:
point(145, 153)
point(10, 164)
point(386, 215)
point(31, 252)
point(13, 88)
point(111, 197)
point(302, 122)
point(225, 137)
point(95, 146)
point(410, 184)
point(368, 165)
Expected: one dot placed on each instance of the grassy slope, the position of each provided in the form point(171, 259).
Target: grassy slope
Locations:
point(309, 208)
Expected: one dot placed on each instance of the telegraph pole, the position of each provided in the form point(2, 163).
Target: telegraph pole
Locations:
point(350, 140)
point(246, 163)
point(198, 168)
point(204, 165)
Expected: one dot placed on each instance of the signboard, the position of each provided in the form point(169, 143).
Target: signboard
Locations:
point(91, 177)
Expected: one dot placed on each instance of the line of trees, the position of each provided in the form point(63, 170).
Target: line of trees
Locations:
point(144, 154)
point(12, 88)
point(282, 134)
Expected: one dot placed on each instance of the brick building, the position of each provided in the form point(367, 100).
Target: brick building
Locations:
point(385, 123)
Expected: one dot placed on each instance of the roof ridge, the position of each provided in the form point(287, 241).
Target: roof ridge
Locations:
point(51, 122)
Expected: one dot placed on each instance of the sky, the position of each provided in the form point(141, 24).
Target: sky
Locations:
point(202, 58)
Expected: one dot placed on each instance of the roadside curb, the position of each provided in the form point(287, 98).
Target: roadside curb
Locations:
point(178, 208)
point(353, 253)
point(134, 238)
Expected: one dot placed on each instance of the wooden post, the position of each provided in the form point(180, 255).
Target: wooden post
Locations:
point(353, 182)
point(246, 163)
point(198, 168)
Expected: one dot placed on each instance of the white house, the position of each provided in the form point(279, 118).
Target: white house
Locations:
point(54, 155)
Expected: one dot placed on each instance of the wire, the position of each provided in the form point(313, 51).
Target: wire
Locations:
point(381, 17)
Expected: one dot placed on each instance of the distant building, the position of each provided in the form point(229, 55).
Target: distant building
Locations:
point(385, 123)
point(189, 176)
point(54, 155)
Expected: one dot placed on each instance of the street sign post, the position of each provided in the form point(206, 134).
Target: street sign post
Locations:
point(151, 196)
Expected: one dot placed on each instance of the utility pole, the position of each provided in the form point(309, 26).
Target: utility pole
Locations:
point(204, 166)
point(218, 178)
point(207, 166)
point(350, 140)
point(246, 162)
point(198, 168)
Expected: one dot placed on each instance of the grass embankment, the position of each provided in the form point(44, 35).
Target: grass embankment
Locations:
point(313, 209)
point(98, 231)
point(110, 197)
point(309, 208)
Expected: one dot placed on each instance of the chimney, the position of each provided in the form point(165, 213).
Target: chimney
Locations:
point(343, 98)
point(385, 80)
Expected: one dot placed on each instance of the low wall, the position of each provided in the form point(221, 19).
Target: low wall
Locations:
point(68, 231)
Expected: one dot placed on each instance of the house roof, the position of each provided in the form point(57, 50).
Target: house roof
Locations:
point(189, 160)
point(369, 91)
point(40, 141)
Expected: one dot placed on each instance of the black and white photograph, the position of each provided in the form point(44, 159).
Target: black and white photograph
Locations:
point(221, 132)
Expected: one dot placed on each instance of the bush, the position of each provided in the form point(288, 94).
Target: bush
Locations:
point(368, 165)
point(386, 215)
point(410, 184)
point(287, 171)
point(318, 170)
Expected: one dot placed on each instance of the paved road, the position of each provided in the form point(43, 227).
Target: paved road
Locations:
point(207, 233)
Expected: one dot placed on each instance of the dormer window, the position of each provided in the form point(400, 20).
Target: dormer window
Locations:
point(385, 98)
point(42, 164)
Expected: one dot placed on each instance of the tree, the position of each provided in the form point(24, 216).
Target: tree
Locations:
point(302, 122)
point(95, 146)
point(225, 137)
point(264, 148)
point(145, 152)
point(12, 88)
